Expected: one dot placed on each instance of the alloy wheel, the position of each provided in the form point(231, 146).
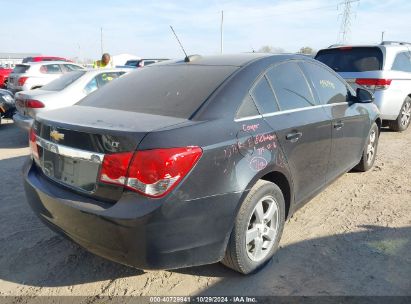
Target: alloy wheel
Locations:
point(262, 228)
point(406, 114)
point(371, 146)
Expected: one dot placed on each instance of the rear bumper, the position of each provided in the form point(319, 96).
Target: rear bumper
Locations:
point(135, 231)
point(23, 122)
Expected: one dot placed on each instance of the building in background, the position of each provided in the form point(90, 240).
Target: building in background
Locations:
point(11, 59)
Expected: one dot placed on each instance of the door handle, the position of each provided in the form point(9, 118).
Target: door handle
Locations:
point(338, 125)
point(294, 136)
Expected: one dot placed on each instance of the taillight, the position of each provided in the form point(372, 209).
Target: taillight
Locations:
point(153, 173)
point(114, 168)
point(22, 81)
point(34, 104)
point(346, 48)
point(33, 144)
point(373, 83)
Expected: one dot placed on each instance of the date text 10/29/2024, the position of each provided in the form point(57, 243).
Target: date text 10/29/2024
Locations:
point(203, 299)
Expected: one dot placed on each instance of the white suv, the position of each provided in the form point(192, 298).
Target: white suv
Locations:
point(384, 69)
point(34, 75)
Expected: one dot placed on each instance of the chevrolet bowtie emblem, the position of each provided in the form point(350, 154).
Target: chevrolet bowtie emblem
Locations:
point(56, 135)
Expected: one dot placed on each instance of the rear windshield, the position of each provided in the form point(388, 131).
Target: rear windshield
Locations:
point(21, 68)
point(358, 59)
point(64, 81)
point(168, 90)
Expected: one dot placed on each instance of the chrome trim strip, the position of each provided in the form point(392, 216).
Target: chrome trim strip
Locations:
point(290, 111)
point(70, 152)
point(248, 118)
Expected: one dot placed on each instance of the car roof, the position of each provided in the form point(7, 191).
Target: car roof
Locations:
point(237, 60)
point(381, 46)
point(48, 62)
point(97, 71)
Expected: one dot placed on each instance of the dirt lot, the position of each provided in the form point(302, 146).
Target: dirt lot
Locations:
point(353, 239)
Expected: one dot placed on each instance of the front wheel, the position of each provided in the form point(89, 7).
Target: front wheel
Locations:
point(257, 229)
point(370, 150)
point(403, 120)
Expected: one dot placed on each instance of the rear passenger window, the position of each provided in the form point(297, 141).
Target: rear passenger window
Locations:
point(247, 108)
point(329, 87)
point(264, 97)
point(290, 86)
point(50, 69)
point(402, 62)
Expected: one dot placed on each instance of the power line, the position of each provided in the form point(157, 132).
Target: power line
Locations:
point(346, 20)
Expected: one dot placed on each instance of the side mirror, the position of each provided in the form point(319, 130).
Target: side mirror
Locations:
point(364, 96)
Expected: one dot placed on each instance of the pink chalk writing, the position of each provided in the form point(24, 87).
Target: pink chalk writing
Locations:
point(260, 151)
point(247, 128)
point(258, 163)
point(261, 138)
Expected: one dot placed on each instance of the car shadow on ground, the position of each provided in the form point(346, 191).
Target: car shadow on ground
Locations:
point(12, 137)
point(375, 261)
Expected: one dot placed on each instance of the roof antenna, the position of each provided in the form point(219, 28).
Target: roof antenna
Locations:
point(187, 59)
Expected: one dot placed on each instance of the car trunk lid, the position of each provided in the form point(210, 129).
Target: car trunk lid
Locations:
point(72, 142)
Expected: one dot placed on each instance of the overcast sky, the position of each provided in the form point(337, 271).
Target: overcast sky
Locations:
point(72, 28)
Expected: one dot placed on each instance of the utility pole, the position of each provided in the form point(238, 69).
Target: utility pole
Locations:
point(221, 32)
point(382, 36)
point(346, 20)
point(101, 40)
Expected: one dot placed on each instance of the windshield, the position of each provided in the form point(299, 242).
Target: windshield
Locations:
point(352, 59)
point(64, 81)
point(168, 90)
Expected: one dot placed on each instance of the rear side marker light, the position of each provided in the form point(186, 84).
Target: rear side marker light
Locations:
point(33, 144)
point(373, 83)
point(153, 173)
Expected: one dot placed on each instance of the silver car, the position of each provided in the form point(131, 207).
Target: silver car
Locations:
point(34, 75)
point(384, 69)
point(62, 92)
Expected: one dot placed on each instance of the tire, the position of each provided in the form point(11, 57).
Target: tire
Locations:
point(403, 120)
point(370, 150)
point(247, 258)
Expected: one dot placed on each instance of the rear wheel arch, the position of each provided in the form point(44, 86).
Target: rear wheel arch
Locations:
point(378, 121)
point(278, 178)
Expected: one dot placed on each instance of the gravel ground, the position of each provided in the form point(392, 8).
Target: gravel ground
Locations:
point(352, 239)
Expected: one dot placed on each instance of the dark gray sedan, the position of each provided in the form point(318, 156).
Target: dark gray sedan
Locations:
point(197, 161)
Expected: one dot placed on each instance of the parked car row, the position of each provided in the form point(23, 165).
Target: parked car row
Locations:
point(139, 63)
point(62, 92)
point(34, 75)
point(195, 161)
